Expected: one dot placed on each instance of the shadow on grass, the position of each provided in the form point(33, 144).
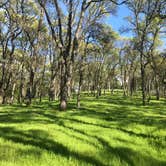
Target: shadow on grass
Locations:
point(120, 117)
point(60, 120)
point(128, 155)
point(121, 114)
point(38, 138)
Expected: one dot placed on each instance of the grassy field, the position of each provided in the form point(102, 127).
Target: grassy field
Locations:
point(109, 131)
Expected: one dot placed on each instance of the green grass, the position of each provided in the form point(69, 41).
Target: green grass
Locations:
point(110, 131)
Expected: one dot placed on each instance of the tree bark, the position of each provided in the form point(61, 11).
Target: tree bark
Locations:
point(143, 82)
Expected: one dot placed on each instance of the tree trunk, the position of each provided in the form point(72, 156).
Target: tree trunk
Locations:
point(64, 84)
point(157, 88)
point(63, 94)
point(125, 83)
point(12, 93)
point(143, 83)
point(29, 92)
point(4, 98)
point(20, 92)
point(52, 90)
point(149, 82)
point(80, 83)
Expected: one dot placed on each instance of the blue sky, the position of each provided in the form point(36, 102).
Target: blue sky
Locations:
point(118, 21)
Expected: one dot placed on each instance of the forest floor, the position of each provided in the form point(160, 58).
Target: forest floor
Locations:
point(109, 131)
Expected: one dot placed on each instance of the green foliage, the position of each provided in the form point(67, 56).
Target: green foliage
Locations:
point(112, 130)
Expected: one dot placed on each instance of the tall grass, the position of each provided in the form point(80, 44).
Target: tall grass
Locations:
point(109, 131)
